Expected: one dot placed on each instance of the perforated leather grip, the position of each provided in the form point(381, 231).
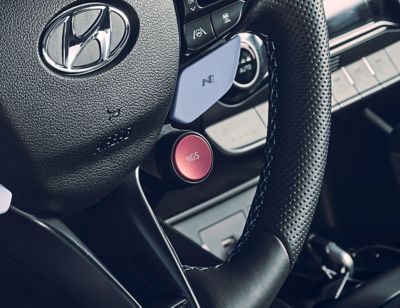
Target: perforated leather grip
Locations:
point(295, 160)
point(288, 200)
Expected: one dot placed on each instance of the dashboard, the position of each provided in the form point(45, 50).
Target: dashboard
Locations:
point(365, 60)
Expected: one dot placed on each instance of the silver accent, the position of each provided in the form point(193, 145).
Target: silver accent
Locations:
point(255, 45)
point(346, 73)
point(259, 48)
point(247, 43)
point(353, 38)
point(369, 67)
point(378, 121)
point(360, 31)
point(361, 34)
point(164, 237)
point(374, 90)
point(72, 44)
point(382, 83)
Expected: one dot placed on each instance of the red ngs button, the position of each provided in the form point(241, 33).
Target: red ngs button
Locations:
point(192, 158)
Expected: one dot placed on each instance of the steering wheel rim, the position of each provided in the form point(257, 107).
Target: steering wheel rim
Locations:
point(295, 158)
point(294, 165)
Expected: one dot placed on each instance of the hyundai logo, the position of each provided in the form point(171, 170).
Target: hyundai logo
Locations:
point(85, 38)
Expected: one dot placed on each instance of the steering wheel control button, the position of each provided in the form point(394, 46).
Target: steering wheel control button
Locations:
point(342, 86)
point(5, 199)
point(181, 158)
point(203, 83)
point(248, 69)
point(192, 158)
point(226, 18)
point(198, 33)
point(191, 8)
point(252, 70)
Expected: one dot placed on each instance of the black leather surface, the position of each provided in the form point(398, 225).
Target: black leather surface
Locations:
point(249, 281)
point(51, 125)
point(288, 198)
point(53, 254)
point(382, 291)
point(297, 145)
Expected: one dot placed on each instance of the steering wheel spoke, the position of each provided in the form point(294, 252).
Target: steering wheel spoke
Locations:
point(48, 250)
point(127, 216)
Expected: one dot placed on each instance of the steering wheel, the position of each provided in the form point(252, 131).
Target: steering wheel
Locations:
point(55, 130)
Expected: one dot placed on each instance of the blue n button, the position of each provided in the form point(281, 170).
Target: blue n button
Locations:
point(203, 83)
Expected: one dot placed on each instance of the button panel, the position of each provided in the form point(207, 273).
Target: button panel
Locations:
point(362, 75)
point(249, 68)
point(366, 76)
point(211, 24)
point(226, 18)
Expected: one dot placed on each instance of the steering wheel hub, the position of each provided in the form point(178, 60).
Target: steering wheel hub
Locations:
point(68, 140)
point(87, 37)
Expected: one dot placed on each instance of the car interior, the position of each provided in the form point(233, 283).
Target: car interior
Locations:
point(200, 153)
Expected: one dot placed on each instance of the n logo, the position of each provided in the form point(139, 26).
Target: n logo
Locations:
point(210, 80)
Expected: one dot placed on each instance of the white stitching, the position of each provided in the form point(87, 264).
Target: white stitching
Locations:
point(266, 170)
point(258, 201)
